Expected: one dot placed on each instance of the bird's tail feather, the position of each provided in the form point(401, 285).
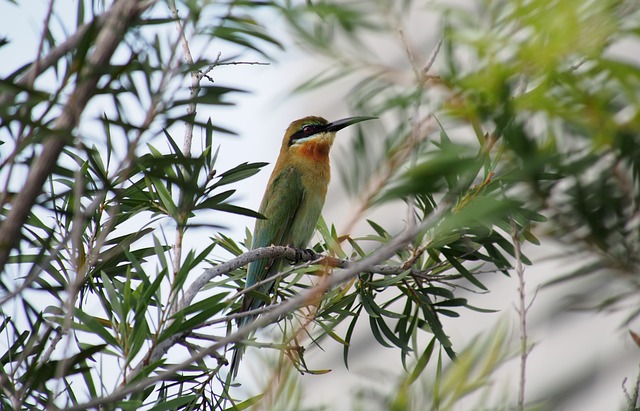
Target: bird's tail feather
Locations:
point(235, 360)
point(248, 304)
point(239, 348)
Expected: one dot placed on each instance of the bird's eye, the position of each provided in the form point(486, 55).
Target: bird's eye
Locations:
point(308, 130)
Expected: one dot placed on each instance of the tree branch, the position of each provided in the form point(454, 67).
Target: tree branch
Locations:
point(381, 254)
point(272, 252)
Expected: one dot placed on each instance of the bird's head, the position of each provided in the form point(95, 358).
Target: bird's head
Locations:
point(313, 136)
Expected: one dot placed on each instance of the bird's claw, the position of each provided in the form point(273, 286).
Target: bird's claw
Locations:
point(310, 254)
point(304, 254)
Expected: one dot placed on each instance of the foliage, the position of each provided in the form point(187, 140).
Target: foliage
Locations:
point(521, 120)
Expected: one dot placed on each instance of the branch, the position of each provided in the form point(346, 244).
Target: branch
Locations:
point(381, 254)
point(294, 254)
point(186, 146)
point(122, 14)
point(269, 252)
point(43, 37)
point(194, 89)
point(272, 252)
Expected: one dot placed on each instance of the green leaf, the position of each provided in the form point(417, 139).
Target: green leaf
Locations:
point(217, 199)
point(448, 313)
point(454, 302)
point(165, 197)
point(210, 95)
point(245, 404)
point(391, 336)
point(205, 305)
point(208, 142)
point(97, 327)
point(175, 403)
point(369, 304)
point(233, 209)
point(329, 331)
point(462, 270)
point(238, 173)
point(349, 334)
point(377, 334)
point(422, 362)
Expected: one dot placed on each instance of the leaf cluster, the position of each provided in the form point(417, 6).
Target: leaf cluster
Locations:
point(92, 281)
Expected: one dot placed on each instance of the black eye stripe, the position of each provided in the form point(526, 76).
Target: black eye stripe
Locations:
point(305, 131)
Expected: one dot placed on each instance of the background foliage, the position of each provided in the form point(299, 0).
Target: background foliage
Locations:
point(506, 123)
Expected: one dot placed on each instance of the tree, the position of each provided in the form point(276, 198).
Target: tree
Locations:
point(520, 120)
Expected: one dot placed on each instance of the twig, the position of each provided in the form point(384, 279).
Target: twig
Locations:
point(9, 390)
point(43, 36)
point(237, 63)
point(522, 314)
point(186, 145)
point(420, 127)
point(195, 82)
point(432, 59)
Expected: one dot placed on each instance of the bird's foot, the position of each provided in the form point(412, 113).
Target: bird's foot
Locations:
point(304, 254)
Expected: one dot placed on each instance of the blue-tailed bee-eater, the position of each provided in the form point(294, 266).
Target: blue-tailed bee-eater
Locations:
point(292, 202)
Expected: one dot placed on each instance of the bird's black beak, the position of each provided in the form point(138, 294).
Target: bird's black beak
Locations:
point(346, 122)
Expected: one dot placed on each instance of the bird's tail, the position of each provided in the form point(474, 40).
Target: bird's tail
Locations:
point(239, 347)
point(235, 360)
point(249, 303)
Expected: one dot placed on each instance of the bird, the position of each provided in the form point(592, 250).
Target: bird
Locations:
point(291, 204)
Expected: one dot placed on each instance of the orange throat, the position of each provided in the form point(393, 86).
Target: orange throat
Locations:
point(315, 150)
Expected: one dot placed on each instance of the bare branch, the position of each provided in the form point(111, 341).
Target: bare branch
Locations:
point(432, 59)
point(195, 81)
point(247, 63)
point(279, 252)
point(43, 36)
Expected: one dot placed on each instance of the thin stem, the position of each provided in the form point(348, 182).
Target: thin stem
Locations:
point(194, 89)
point(195, 82)
point(79, 271)
point(43, 36)
point(522, 314)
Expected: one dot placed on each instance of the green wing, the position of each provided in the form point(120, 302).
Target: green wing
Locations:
point(281, 203)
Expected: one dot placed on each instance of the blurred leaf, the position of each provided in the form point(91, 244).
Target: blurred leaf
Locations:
point(175, 403)
point(422, 362)
point(428, 176)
